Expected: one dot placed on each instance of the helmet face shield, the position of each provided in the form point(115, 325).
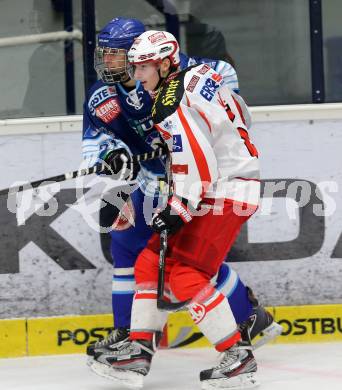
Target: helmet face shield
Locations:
point(111, 64)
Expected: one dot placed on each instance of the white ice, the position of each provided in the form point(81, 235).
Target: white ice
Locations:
point(280, 367)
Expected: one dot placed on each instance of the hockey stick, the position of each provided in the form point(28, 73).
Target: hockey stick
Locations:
point(83, 172)
point(161, 303)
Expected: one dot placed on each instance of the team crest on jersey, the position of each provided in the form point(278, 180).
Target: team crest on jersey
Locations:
point(177, 143)
point(159, 36)
point(197, 312)
point(135, 99)
point(192, 83)
point(99, 96)
point(108, 110)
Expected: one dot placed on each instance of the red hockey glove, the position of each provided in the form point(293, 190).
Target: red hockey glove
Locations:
point(173, 217)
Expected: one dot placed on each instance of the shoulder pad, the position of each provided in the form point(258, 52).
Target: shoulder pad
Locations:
point(205, 79)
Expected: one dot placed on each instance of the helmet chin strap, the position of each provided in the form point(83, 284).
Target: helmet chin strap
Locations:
point(161, 78)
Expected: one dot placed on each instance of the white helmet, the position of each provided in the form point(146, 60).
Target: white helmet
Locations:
point(154, 46)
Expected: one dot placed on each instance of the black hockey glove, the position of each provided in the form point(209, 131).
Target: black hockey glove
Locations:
point(119, 161)
point(173, 217)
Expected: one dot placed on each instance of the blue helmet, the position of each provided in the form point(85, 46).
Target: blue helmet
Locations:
point(119, 33)
point(113, 42)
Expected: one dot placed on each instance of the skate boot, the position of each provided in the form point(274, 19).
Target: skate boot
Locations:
point(111, 342)
point(127, 364)
point(235, 371)
point(260, 323)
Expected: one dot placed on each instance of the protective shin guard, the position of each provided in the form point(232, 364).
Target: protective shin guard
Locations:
point(210, 310)
point(146, 318)
point(230, 285)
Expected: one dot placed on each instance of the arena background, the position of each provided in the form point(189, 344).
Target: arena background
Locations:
point(53, 262)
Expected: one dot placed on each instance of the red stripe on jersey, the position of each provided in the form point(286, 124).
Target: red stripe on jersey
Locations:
point(239, 109)
point(227, 108)
point(205, 119)
point(201, 114)
point(199, 156)
point(145, 296)
point(166, 135)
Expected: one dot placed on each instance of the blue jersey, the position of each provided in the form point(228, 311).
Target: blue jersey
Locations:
point(115, 117)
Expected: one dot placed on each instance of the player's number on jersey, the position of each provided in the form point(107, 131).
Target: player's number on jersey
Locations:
point(251, 148)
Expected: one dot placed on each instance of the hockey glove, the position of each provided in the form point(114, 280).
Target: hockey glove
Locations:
point(119, 161)
point(173, 217)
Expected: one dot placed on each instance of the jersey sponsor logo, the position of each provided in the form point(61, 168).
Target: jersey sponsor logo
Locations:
point(217, 77)
point(108, 110)
point(141, 126)
point(169, 98)
point(192, 83)
point(177, 143)
point(126, 217)
point(99, 96)
point(209, 89)
point(159, 36)
point(197, 312)
point(204, 69)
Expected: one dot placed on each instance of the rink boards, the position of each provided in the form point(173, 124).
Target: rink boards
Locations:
point(71, 334)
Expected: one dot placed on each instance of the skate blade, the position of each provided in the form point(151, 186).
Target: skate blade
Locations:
point(271, 332)
point(242, 381)
point(90, 361)
point(127, 378)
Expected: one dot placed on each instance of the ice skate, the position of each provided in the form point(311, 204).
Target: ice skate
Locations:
point(109, 343)
point(260, 323)
point(127, 364)
point(235, 371)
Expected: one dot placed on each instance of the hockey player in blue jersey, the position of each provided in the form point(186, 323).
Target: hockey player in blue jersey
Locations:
point(116, 124)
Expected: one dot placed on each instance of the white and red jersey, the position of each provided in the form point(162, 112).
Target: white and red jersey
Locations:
point(203, 123)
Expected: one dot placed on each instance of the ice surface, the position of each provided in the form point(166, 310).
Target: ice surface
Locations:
point(281, 367)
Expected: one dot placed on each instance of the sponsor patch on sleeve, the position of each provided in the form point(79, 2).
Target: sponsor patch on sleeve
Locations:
point(209, 89)
point(99, 96)
point(204, 69)
point(108, 110)
point(192, 83)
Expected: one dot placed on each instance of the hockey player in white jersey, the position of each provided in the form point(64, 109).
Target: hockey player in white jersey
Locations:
point(215, 190)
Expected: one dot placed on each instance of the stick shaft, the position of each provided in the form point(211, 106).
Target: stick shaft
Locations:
point(83, 172)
